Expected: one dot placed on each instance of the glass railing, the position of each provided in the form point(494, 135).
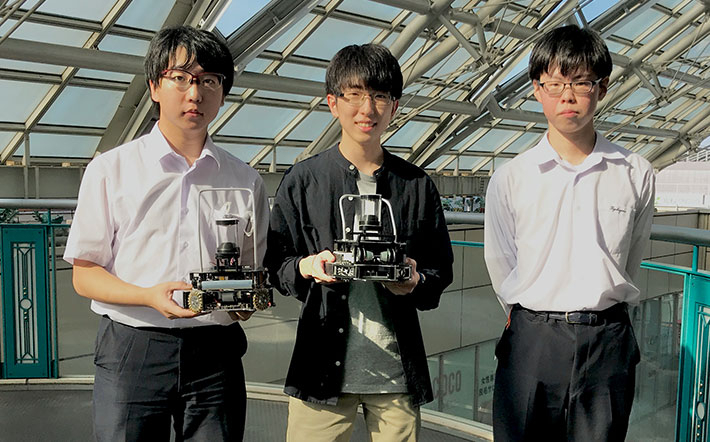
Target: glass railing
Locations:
point(668, 289)
point(463, 372)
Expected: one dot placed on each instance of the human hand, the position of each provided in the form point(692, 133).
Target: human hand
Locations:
point(404, 287)
point(313, 266)
point(240, 315)
point(160, 297)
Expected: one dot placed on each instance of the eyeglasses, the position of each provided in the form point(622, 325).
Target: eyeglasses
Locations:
point(556, 88)
point(183, 79)
point(356, 98)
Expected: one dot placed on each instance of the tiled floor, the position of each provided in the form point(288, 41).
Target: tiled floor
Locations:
point(65, 416)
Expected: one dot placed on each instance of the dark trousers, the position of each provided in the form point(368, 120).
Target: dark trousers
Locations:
point(146, 378)
point(557, 381)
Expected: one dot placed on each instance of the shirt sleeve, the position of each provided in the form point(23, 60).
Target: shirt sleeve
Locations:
point(499, 248)
point(642, 223)
point(92, 230)
point(282, 241)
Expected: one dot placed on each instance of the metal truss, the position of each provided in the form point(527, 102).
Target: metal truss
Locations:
point(463, 67)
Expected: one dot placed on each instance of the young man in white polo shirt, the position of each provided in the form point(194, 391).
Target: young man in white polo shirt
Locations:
point(134, 239)
point(566, 225)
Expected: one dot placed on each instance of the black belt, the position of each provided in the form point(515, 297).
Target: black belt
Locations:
point(615, 313)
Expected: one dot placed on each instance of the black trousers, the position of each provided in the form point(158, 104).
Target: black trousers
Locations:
point(146, 378)
point(557, 381)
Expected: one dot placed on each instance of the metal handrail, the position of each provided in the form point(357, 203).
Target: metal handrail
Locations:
point(659, 232)
point(683, 235)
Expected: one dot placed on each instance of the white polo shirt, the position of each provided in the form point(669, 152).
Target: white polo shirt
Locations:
point(137, 217)
point(560, 237)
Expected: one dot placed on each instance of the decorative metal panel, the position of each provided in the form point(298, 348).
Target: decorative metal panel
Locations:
point(694, 372)
point(699, 404)
point(25, 302)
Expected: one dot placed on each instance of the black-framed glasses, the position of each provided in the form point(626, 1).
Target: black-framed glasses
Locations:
point(556, 88)
point(183, 79)
point(356, 98)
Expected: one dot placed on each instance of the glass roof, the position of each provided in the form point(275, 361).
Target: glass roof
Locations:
point(468, 105)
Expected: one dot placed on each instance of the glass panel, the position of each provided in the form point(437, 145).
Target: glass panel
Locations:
point(104, 75)
point(290, 35)
point(467, 162)
point(287, 155)
point(408, 134)
point(24, 98)
point(51, 145)
point(286, 97)
point(485, 377)
point(370, 9)
point(83, 107)
point(76, 324)
point(258, 121)
point(434, 164)
point(449, 64)
point(257, 65)
point(311, 126)
point(237, 14)
point(637, 99)
point(527, 140)
point(531, 105)
point(302, 72)
point(242, 151)
point(456, 382)
point(32, 67)
point(497, 162)
point(145, 15)
point(124, 45)
point(94, 10)
point(46, 33)
point(5, 138)
point(593, 9)
point(639, 24)
point(324, 42)
point(483, 165)
point(491, 140)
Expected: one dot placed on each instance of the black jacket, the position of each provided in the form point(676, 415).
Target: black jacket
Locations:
point(305, 219)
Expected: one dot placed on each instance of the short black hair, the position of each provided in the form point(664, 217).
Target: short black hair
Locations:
point(202, 47)
point(570, 48)
point(370, 65)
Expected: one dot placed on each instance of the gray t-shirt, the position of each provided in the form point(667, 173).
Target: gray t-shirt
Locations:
point(372, 360)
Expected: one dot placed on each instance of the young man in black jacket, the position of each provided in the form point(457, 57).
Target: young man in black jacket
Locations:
point(358, 342)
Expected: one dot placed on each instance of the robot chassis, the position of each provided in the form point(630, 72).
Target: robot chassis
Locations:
point(368, 254)
point(228, 286)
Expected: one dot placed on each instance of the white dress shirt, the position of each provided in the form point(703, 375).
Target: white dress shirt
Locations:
point(560, 237)
point(137, 217)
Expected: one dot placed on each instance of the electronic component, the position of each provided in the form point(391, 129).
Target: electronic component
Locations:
point(365, 252)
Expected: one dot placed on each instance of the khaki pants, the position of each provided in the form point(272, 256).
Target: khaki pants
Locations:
point(389, 418)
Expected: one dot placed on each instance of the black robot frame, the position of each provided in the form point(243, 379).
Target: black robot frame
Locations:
point(228, 285)
point(369, 255)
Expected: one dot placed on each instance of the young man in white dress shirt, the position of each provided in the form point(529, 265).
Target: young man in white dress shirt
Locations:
point(134, 239)
point(566, 225)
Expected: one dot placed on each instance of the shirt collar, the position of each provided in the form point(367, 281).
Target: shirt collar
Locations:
point(159, 148)
point(349, 168)
point(543, 153)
